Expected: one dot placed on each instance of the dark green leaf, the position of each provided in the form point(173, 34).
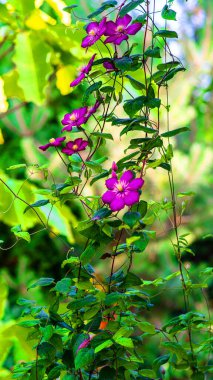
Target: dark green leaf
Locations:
point(40, 203)
point(154, 53)
point(132, 106)
point(100, 176)
point(102, 213)
point(107, 373)
point(168, 14)
point(166, 34)
point(84, 358)
point(63, 286)
point(131, 218)
point(135, 83)
point(94, 87)
point(103, 135)
point(47, 351)
point(123, 64)
point(129, 7)
point(141, 207)
point(107, 89)
point(106, 5)
point(43, 281)
point(70, 8)
point(175, 132)
point(167, 65)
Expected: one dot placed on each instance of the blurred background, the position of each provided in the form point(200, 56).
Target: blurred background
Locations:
point(39, 56)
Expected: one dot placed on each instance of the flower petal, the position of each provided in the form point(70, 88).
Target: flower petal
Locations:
point(136, 184)
point(92, 26)
point(108, 196)
point(110, 183)
point(77, 80)
point(131, 198)
point(117, 204)
point(120, 39)
point(127, 176)
point(124, 21)
point(110, 28)
point(45, 147)
point(134, 28)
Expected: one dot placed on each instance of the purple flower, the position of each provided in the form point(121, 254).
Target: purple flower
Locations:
point(94, 30)
point(109, 66)
point(83, 72)
point(52, 142)
point(123, 192)
point(75, 146)
point(118, 31)
point(75, 118)
point(93, 109)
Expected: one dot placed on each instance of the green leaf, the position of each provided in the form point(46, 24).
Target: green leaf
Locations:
point(101, 214)
point(107, 89)
point(19, 166)
point(108, 343)
point(131, 218)
point(148, 373)
point(40, 203)
point(123, 64)
point(47, 351)
point(146, 327)
point(100, 176)
point(94, 87)
point(129, 7)
point(72, 261)
point(30, 323)
point(43, 281)
point(102, 135)
point(70, 8)
point(175, 132)
point(107, 373)
point(84, 358)
point(35, 68)
point(154, 53)
point(125, 342)
point(168, 14)
point(176, 349)
point(168, 65)
point(106, 5)
point(63, 286)
point(93, 251)
point(94, 166)
point(135, 83)
point(186, 194)
point(166, 34)
point(132, 106)
point(157, 363)
point(141, 207)
point(17, 230)
point(55, 373)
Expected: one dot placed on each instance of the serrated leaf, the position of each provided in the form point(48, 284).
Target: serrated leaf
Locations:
point(175, 132)
point(130, 6)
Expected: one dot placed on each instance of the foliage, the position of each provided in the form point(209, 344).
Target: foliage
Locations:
point(101, 325)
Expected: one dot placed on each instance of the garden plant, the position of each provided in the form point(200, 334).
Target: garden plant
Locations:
point(99, 320)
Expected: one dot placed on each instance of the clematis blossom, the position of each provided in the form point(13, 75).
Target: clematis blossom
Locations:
point(109, 66)
point(122, 192)
point(95, 31)
point(91, 110)
point(75, 118)
point(120, 30)
point(83, 72)
point(52, 143)
point(75, 146)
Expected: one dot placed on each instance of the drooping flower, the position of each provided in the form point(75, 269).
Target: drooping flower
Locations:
point(93, 109)
point(52, 143)
point(109, 66)
point(83, 72)
point(75, 146)
point(75, 118)
point(95, 31)
point(119, 30)
point(122, 192)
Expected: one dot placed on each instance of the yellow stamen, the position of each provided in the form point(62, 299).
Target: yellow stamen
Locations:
point(52, 140)
point(75, 147)
point(92, 32)
point(120, 28)
point(119, 187)
point(73, 117)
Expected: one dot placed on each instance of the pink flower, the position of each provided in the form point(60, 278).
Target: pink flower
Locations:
point(93, 109)
point(75, 118)
point(83, 72)
point(94, 30)
point(118, 31)
point(123, 192)
point(109, 66)
point(52, 142)
point(75, 146)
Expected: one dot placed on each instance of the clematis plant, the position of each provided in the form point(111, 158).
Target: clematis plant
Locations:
point(99, 324)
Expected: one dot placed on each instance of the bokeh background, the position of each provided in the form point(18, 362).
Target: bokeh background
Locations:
point(39, 56)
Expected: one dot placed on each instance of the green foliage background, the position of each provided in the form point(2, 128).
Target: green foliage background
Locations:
point(39, 54)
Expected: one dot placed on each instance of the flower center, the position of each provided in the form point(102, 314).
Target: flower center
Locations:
point(120, 28)
point(75, 147)
point(52, 141)
point(119, 187)
point(73, 117)
point(92, 32)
